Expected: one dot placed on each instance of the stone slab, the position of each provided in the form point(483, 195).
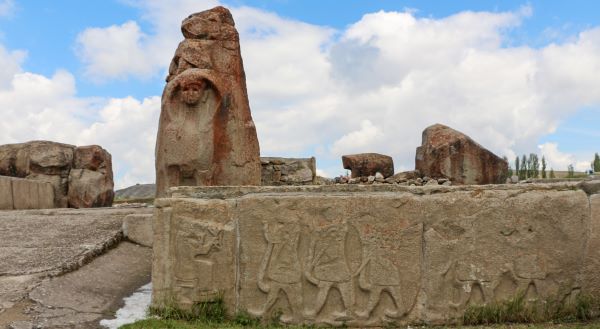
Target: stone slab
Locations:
point(138, 228)
point(368, 255)
point(86, 296)
point(6, 194)
point(25, 194)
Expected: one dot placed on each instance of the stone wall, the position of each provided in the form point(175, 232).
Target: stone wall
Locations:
point(288, 171)
point(17, 193)
point(368, 255)
point(80, 177)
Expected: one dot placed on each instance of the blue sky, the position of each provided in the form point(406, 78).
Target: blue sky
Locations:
point(325, 77)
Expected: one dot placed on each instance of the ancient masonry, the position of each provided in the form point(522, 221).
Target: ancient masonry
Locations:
point(206, 135)
point(368, 255)
point(68, 176)
point(346, 254)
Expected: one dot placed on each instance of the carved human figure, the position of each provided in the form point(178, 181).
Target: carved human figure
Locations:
point(328, 268)
point(379, 274)
point(206, 135)
point(280, 269)
point(193, 266)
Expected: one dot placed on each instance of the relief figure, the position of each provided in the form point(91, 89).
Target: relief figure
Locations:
point(327, 268)
point(193, 266)
point(280, 269)
point(376, 275)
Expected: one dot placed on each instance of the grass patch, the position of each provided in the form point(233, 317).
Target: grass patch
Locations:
point(519, 310)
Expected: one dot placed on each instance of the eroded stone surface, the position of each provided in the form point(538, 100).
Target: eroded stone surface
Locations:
point(370, 255)
point(368, 164)
point(447, 153)
point(288, 171)
point(138, 228)
point(206, 135)
point(54, 163)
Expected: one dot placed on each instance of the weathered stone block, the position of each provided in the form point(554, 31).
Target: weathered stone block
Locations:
point(29, 194)
point(138, 228)
point(368, 164)
point(288, 171)
point(591, 278)
point(369, 255)
point(447, 153)
point(6, 194)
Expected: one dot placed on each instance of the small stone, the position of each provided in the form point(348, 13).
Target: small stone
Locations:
point(432, 182)
point(343, 180)
point(419, 180)
point(364, 179)
point(426, 179)
point(412, 185)
point(514, 179)
point(390, 180)
point(371, 179)
point(378, 175)
point(354, 180)
point(442, 180)
point(447, 183)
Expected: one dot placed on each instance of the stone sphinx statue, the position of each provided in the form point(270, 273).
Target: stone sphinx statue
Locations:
point(206, 135)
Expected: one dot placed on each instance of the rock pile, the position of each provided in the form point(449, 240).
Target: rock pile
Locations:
point(406, 178)
point(81, 177)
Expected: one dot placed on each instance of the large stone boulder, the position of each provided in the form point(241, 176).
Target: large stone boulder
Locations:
point(368, 164)
point(79, 176)
point(288, 171)
point(447, 153)
point(206, 135)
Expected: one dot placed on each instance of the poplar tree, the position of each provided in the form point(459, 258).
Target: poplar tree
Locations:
point(543, 167)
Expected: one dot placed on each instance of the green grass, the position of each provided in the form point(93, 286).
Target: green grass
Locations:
point(518, 310)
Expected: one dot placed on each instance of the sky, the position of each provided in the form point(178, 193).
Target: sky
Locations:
point(325, 78)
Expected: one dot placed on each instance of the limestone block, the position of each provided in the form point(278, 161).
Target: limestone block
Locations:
point(45, 196)
point(368, 164)
point(194, 252)
point(288, 171)
point(591, 277)
point(89, 188)
point(25, 194)
point(6, 194)
point(138, 228)
point(447, 153)
point(369, 255)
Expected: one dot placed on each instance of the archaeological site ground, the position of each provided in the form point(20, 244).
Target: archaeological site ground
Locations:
point(231, 237)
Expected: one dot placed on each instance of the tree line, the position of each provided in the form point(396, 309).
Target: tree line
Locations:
point(531, 167)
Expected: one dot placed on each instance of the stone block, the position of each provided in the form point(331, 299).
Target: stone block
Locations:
point(25, 194)
point(138, 229)
point(591, 279)
point(6, 194)
point(45, 195)
point(365, 256)
point(288, 171)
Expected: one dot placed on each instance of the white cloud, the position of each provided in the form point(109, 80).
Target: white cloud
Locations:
point(6, 7)
point(371, 87)
point(560, 161)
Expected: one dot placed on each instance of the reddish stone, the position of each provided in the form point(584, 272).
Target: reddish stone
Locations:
point(206, 135)
point(368, 164)
point(447, 153)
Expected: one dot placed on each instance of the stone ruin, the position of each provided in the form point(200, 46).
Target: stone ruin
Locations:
point(346, 254)
point(288, 171)
point(42, 174)
point(206, 135)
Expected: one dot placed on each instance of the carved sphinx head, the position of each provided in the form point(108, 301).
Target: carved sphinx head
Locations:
point(212, 24)
point(193, 91)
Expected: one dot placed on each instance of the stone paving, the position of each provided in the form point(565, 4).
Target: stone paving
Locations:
point(44, 279)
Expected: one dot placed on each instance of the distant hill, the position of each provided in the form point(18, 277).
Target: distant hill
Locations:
point(137, 191)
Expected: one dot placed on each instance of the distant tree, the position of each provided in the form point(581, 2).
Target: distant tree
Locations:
point(523, 172)
point(517, 168)
point(543, 167)
point(552, 173)
point(570, 171)
point(534, 168)
point(596, 163)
